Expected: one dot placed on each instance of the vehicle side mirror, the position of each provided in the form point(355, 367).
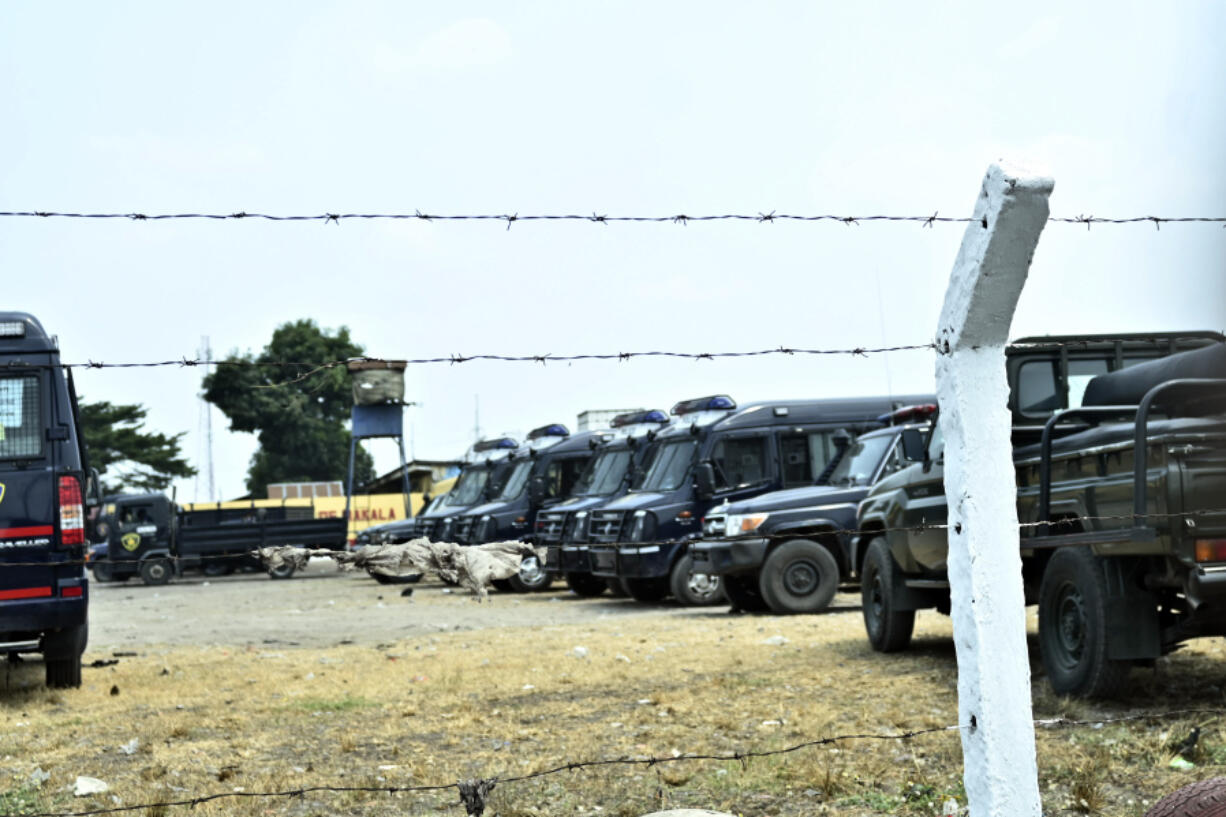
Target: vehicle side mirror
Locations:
point(704, 480)
point(536, 489)
point(913, 447)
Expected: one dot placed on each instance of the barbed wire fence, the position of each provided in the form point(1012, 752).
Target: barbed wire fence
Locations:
point(473, 793)
point(598, 218)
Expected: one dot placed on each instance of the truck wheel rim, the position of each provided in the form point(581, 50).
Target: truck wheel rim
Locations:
point(876, 599)
point(702, 586)
point(530, 570)
point(801, 578)
point(1070, 626)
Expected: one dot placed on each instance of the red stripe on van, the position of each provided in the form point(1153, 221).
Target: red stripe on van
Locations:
point(21, 533)
point(25, 593)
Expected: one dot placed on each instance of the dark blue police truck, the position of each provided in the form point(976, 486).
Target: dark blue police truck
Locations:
point(787, 551)
point(543, 471)
point(714, 453)
point(43, 589)
point(482, 474)
point(563, 529)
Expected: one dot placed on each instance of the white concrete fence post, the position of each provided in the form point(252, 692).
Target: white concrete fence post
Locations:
point(985, 567)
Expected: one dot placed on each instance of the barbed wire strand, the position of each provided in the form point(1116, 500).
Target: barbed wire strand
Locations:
point(716, 538)
point(314, 367)
point(597, 218)
point(741, 756)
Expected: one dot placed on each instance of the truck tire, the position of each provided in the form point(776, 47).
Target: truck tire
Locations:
point(695, 589)
point(501, 585)
point(154, 572)
point(531, 577)
point(1073, 627)
point(1204, 798)
point(215, 569)
point(585, 584)
point(742, 593)
point(62, 656)
point(799, 576)
point(104, 572)
point(284, 571)
point(647, 590)
point(888, 629)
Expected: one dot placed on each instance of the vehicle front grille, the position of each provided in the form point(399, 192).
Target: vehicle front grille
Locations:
point(606, 526)
point(427, 527)
point(549, 527)
point(464, 529)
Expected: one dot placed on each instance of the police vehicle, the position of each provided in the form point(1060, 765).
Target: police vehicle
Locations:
point(715, 452)
point(43, 589)
point(563, 529)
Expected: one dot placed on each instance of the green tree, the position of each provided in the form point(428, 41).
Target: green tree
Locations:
point(127, 456)
point(298, 411)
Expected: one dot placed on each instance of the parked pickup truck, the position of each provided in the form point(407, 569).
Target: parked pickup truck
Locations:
point(563, 530)
point(715, 452)
point(43, 488)
point(788, 551)
point(1122, 499)
point(148, 535)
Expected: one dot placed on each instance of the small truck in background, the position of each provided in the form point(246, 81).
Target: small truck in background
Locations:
point(1121, 491)
point(148, 535)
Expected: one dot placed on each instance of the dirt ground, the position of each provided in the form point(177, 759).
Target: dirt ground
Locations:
point(245, 685)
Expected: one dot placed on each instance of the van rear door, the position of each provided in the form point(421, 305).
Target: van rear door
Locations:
point(28, 505)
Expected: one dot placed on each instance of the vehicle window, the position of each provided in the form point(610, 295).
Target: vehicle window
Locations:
point(136, 515)
point(739, 461)
point(516, 481)
point(805, 456)
point(20, 417)
point(561, 476)
point(860, 462)
point(469, 486)
point(1038, 383)
point(604, 473)
point(669, 468)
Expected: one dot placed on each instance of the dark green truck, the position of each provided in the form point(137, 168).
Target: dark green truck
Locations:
point(1120, 451)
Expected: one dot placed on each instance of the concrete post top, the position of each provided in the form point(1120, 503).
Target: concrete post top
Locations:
point(1018, 176)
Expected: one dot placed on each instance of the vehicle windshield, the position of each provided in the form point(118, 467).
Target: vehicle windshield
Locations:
point(861, 461)
point(516, 481)
point(604, 474)
point(469, 486)
point(669, 467)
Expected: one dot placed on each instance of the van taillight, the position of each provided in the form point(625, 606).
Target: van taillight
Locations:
point(72, 512)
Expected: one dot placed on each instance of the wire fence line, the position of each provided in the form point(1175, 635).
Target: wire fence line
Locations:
point(598, 218)
point(313, 367)
point(474, 792)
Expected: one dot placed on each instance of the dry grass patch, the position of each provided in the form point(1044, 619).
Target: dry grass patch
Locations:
point(504, 703)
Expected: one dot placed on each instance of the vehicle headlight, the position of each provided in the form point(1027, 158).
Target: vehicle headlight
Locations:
point(736, 524)
point(576, 528)
point(644, 527)
point(487, 529)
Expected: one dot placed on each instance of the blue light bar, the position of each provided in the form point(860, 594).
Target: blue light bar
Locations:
point(553, 430)
point(716, 402)
point(636, 417)
point(493, 445)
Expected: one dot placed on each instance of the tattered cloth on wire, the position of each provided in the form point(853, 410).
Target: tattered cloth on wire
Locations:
point(474, 567)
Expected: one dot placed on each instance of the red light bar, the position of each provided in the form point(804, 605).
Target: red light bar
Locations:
point(22, 533)
point(25, 593)
point(72, 592)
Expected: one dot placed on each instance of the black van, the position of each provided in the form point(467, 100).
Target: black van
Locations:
point(43, 590)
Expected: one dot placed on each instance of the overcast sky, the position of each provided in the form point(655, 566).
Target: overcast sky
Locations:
point(645, 108)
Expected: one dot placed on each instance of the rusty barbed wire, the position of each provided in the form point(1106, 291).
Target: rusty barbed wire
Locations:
point(597, 218)
point(473, 793)
point(717, 538)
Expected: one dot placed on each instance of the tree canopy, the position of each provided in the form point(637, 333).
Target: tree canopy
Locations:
point(297, 411)
point(128, 457)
